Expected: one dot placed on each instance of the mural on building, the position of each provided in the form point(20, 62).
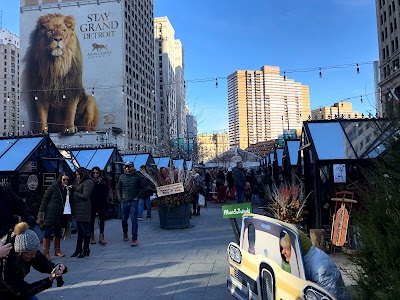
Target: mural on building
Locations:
point(71, 69)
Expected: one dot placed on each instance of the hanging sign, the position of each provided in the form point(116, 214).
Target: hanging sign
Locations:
point(32, 182)
point(48, 179)
point(170, 189)
point(339, 173)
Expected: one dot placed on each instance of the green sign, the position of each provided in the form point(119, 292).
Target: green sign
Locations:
point(236, 210)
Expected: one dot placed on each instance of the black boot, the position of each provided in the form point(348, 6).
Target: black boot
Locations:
point(78, 248)
point(86, 250)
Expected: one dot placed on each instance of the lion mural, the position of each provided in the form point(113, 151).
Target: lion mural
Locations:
point(53, 75)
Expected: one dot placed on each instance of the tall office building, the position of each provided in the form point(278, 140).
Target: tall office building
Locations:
point(388, 17)
point(377, 78)
point(212, 145)
point(9, 83)
point(262, 104)
point(116, 39)
point(170, 83)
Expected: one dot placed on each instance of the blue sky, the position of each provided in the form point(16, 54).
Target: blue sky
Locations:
point(220, 37)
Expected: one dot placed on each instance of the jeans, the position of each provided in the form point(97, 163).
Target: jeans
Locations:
point(129, 208)
point(102, 217)
point(83, 235)
point(48, 230)
point(255, 199)
point(141, 207)
point(240, 195)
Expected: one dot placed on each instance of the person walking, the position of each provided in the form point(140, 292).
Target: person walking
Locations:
point(98, 202)
point(130, 190)
point(81, 211)
point(239, 179)
point(12, 205)
point(149, 190)
point(230, 181)
point(196, 189)
point(51, 213)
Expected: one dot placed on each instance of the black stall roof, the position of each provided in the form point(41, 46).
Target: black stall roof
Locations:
point(15, 151)
point(347, 139)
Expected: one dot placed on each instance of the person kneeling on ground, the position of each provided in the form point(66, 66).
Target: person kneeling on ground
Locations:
point(17, 265)
point(321, 269)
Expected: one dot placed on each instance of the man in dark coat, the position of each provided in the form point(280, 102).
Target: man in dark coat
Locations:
point(130, 189)
point(240, 181)
point(11, 205)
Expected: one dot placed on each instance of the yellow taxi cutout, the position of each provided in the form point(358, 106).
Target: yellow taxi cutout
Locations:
point(268, 263)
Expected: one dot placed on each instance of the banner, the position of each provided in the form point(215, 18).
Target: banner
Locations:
point(236, 210)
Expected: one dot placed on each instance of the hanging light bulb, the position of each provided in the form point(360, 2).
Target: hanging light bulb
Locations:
point(358, 69)
point(284, 75)
point(361, 99)
point(8, 97)
point(216, 83)
point(36, 97)
point(93, 91)
point(23, 124)
point(123, 91)
point(320, 73)
point(184, 84)
point(64, 96)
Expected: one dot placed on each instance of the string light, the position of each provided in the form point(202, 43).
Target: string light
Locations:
point(361, 99)
point(320, 73)
point(8, 97)
point(93, 91)
point(358, 69)
point(216, 82)
point(284, 75)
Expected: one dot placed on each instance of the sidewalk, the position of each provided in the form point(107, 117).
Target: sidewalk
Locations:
point(189, 263)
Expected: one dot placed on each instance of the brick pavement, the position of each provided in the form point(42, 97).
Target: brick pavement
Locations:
point(168, 264)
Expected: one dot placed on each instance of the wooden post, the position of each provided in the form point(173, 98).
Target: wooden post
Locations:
point(317, 237)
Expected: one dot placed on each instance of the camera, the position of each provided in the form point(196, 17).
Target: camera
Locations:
point(58, 272)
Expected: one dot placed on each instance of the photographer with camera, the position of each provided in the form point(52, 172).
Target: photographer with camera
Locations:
point(17, 265)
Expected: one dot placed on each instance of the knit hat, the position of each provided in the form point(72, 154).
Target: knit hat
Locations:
point(26, 240)
point(305, 242)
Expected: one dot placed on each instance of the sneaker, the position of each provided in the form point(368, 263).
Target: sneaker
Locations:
point(134, 243)
point(126, 237)
point(148, 217)
point(140, 219)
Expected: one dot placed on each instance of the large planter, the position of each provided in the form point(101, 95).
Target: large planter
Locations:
point(175, 217)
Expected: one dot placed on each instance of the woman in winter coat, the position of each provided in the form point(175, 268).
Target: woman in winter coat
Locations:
point(81, 211)
point(98, 200)
point(51, 216)
point(24, 255)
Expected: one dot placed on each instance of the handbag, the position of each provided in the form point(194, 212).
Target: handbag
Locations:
point(67, 206)
point(67, 231)
point(202, 200)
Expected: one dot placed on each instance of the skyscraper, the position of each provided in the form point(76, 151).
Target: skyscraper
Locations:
point(387, 16)
point(115, 60)
point(170, 82)
point(262, 104)
point(9, 75)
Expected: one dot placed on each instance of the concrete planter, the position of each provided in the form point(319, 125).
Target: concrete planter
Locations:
point(175, 217)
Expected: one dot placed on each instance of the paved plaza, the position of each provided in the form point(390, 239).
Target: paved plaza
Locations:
point(188, 263)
